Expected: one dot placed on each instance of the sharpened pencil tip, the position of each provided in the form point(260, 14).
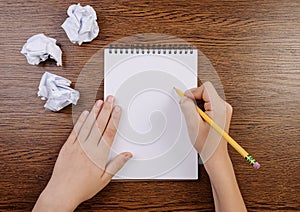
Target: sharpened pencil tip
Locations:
point(179, 92)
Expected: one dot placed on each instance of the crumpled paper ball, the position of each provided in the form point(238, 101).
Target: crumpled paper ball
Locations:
point(39, 47)
point(55, 89)
point(81, 25)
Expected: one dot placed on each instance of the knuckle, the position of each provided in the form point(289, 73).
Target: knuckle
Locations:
point(207, 84)
point(99, 124)
point(190, 91)
point(107, 106)
point(110, 132)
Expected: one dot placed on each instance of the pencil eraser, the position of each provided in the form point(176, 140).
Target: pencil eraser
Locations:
point(256, 165)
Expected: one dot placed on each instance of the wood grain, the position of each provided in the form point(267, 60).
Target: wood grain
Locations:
point(254, 47)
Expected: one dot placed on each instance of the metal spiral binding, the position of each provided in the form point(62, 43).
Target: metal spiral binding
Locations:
point(151, 49)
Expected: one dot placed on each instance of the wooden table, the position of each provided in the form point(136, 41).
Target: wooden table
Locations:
point(254, 47)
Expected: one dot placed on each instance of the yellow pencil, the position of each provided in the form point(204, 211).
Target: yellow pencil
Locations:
point(225, 135)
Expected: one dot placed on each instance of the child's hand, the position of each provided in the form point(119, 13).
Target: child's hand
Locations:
point(82, 168)
point(205, 139)
point(212, 147)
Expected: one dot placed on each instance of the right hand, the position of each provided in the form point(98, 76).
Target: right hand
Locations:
point(209, 143)
point(212, 147)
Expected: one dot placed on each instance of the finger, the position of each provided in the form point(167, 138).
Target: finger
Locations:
point(209, 92)
point(73, 136)
point(89, 122)
point(115, 165)
point(102, 120)
point(229, 111)
point(208, 106)
point(191, 116)
point(206, 91)
point(190, 93)
point(109, 134)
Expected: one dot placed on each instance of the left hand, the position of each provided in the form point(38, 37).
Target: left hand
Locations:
point(82, 168)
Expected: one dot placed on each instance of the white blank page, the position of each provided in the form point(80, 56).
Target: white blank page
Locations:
point(152, 125)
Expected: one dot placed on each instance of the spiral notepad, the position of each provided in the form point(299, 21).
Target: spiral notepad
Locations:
point(152, 125)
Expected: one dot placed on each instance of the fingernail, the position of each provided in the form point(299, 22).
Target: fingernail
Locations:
point(99, 103)
point(117, 109)
point(110, 99)
point(128, 155)
point(189, 93)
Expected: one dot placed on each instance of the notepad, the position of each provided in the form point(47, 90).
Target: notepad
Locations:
point(152, 125)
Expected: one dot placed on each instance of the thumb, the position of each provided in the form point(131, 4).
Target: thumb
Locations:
point(192, 118)
point(115, 165)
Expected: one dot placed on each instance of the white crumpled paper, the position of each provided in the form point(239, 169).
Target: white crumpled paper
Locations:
point(81, 25)
point(55, 89)
point(39, 47)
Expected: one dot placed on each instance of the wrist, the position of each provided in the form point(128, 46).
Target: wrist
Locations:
point(52, 200)
point(217, 164)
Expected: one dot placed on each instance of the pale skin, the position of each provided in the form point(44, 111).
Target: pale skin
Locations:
point(226, 192)
point(77, 177)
